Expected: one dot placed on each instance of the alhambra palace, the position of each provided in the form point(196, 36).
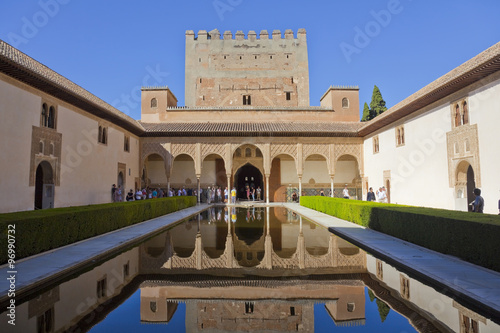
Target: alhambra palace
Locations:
point(248, 119)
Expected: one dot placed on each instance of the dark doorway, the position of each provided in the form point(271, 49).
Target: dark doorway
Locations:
point(44, 186)
point(471, 185)
point(250, 176)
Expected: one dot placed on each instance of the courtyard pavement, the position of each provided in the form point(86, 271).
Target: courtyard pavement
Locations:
point(477, 286)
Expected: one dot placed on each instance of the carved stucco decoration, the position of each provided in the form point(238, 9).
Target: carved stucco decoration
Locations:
point(462, 145)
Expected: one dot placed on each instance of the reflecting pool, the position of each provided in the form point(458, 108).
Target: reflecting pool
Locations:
point(250, 269)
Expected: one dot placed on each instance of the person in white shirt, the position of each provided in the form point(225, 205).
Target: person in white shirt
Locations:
point(345, 192)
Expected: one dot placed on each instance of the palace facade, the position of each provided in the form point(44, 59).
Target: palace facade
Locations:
point(248, 121)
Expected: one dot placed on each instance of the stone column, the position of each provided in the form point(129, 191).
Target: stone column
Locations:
point(267, 189)
point(228, 188)
point(331, 185)
point(300, 187)
point(198, 191)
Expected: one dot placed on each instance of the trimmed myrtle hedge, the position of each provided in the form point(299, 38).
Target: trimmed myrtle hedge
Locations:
point(42, 230)
point(469, 236)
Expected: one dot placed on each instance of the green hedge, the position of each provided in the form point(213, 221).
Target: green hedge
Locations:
point(42, 230)
point(469, 236)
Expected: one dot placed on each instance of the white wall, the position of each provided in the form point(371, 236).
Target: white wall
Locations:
point(419, 169)
point(182, 170)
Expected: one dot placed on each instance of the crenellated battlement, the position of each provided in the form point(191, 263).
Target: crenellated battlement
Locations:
point(203, 35)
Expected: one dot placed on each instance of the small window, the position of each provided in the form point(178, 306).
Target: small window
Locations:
point(405, 287)
point(270, 57)
point(199, 59)
point(40, 147)
point(400, 136)
point(48, 116)
point(238, 152)
point(248, 152)
point(154, 103)
point(200, 80)
point(249, 307)
point(241, 57)
point(376, 146)
point(51, 149)
point(126, 270)
point(468, 325)
point(292, 311)
point(465, 113)
point(345, 103)
point(247, 100)
point(380, 270)
point(152, 306)
point(45, 322)
point(103, 135)
point(225, 57)
point(126, 143)
point(101, 288)
point(457, 116)
point(288, 95)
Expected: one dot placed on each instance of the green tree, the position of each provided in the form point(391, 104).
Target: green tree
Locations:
point(377, 105)
point(383, 309)
point(366, 113)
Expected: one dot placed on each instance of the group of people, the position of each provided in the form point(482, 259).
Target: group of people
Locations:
point(117, 194)
point(379, 196)
point(253, 193)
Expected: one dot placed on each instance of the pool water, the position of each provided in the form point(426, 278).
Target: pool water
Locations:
point(251, 269)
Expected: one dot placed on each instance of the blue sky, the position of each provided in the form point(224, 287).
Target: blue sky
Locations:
point(111, 48)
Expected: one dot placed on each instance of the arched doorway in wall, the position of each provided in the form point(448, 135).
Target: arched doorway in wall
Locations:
point(213, 172)
point(44, 186)
point(284, 179)
point(465, 185)
point(248, 166)
point(247, 176)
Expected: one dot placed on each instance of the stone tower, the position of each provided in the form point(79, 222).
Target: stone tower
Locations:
point(246, 71)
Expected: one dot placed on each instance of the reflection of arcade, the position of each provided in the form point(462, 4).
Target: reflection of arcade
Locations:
point(254, 305)
point(254, 240)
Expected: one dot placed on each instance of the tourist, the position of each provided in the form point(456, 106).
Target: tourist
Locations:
point(322, 193)
point(219, 194)
point(138, 194)
point(258, 193)
point(294, 196)
point(478, 203)
point(370, 196)
point(233, 195)
point(130, 195)
point(226, 195)
point(345, 192)
point(209, 195)
point(248, 192)
point(113, 189)
point(253, 193)
point(118, 194)
point(184, 191)
point(155, 194)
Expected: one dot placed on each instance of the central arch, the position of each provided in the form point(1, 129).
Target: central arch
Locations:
point(247, 175)
point(44, 186)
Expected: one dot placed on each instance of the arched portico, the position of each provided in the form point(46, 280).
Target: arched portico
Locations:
point(348, 172)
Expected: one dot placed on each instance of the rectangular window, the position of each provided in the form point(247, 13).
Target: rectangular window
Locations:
point(400, 136)
point(126, 144)
point(247, 100)
point(45, 322)
point(101, 288)
point(249, 307)
point(288, 95)
point(126, 270)
point(376, 146)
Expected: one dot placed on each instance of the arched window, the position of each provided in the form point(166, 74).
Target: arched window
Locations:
point(104, 135)
point(248, 152)
point(45, 115)
point(40, 147)
point(345, 103)
point(402, 135)
point(238, 152)
point(457, 116)
point(99, 137)
point(51, 121)
point(398, 136)
point(465, 114)
point(51, 150)
point(154, 103)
